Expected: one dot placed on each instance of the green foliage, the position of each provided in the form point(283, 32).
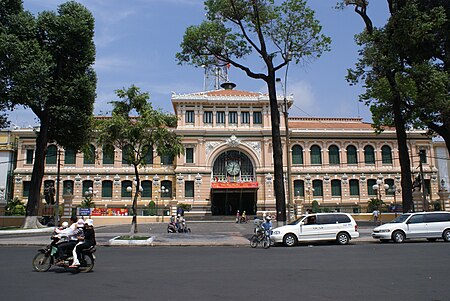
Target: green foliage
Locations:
point(374, 204)
point(151, 210)
point(185, 207)
point(15, 208)
point(315, 207)
point(87, 203)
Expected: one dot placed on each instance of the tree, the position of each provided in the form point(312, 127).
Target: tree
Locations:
point(233, 29)
point(405, 68)
point(137, 136)
point(47, 67)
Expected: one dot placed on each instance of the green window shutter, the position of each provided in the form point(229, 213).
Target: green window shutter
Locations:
point(316, 156)
point(336, 188)
point(69, 156)
point(108, 154)
point(189, 155)
point(299, 188)
point(26, 188)
point(146, 189)
point(354, 187)
point(89, 156)
point(189, 189)
point(352, 157)
point(68, 187)
point(124, 193)
point(30, 154)
point(50, 158)
point(107, 189)
point(318, 188)
point(148, 158)
point(369, 155)
point(370, 190)
point(333, 153)
point(297, 154)
point(386, 155)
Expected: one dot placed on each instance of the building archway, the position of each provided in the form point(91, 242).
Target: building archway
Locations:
point(233, 184)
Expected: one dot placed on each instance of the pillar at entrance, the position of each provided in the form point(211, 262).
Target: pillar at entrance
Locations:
point(417, 200)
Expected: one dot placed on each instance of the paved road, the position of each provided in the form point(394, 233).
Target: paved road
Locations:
point(203, 233)
point(411, 271)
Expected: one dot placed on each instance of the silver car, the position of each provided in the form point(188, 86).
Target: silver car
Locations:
point(429, 225)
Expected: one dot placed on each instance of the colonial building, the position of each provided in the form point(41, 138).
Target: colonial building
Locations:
point(228, 162)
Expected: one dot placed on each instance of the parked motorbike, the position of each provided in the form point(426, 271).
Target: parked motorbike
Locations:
point(45, 258)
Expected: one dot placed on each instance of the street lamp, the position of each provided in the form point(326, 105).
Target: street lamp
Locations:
point(394, 190)
point(377, 187)
point(130, 189)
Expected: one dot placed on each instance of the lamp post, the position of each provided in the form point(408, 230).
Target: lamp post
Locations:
point(377, 187)
point(89, 194)
point(394, 190)
point(130, 189)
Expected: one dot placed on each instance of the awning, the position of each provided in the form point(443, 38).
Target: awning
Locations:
point(234, 185)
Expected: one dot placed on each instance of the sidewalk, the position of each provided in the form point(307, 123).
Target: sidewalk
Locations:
point(203, 234)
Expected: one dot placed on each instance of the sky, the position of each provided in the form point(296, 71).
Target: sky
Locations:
point(136, 42)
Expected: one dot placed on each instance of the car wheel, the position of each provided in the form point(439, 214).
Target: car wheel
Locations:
point(290, 240)
point(342, 238)
point(398, 237)
point(431, 239)
point(446, 235)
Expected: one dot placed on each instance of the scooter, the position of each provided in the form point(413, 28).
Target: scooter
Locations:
point(45, 258)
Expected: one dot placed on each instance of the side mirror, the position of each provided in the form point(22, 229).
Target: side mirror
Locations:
point(301, 223)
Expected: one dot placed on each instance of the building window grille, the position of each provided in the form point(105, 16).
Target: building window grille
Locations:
point(257, 118)
point(245, 118)
point(316, 155)
point(189, 189)
point(336, 189)
point(232, 117)
point(318, 188)
point(30, 154)
point(69, 156)
point(189, 155)
point(146, 189)
point(354, 187)
point(297, 154)
point(107, 189)
point(190, 117)
point(208, 117)
point(220, 117)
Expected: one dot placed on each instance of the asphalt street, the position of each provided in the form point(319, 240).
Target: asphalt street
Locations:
point(410, 271)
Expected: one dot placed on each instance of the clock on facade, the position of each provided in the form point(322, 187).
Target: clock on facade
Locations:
point(233, 168)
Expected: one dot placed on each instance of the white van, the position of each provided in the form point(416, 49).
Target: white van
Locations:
point(339, 227)
point(429, 225)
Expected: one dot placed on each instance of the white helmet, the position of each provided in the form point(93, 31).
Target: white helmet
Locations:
point(268, 218)
point(65, 225)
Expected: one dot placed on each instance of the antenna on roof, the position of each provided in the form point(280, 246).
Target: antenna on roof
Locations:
point(215, 75)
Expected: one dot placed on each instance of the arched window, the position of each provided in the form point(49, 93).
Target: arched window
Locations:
point(108, 154)
point(333, 155)
point(354, 187)
point(369, 155)
point(68, 187)
point(299, 188)
point(86, 185)
point(50, 157)
point(167, 159)
point(167, 192)
point(89, 155)
point(297, 154)
point(389, 182)
point(352, 157)
point(316, 155)
point(107, 189)
point(69, 156)
point(127, 154)
point(370, 190)
point(148, 158)
point(124, 193)
point(386, 154)
point(318, 188)
point(146, 189)
point(336, 188)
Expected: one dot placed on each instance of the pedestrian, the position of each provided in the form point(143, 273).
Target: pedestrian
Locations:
point(244, 217)
point(375, 214)
point(238, 216)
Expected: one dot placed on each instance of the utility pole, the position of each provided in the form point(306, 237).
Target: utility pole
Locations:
point(422, 181)
point(57, 188)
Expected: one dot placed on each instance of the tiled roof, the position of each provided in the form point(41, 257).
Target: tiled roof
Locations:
point(328, 123)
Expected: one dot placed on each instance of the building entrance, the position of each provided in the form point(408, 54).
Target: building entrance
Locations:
point(228, 201)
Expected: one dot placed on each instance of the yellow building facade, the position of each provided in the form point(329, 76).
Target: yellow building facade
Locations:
point(228, 163)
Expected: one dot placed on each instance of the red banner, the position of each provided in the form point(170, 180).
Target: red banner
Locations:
point(234, 185)
point(109, 212)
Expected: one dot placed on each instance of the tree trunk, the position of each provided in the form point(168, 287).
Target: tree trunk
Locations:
point(134, 228)
point(277, 149)
point(34, 196)
point(405, 162)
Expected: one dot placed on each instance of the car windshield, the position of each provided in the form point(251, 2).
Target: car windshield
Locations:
point(401, 218)
point(297, 220)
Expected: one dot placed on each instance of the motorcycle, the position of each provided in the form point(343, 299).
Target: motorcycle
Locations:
point(179, 227)
point(45, 258)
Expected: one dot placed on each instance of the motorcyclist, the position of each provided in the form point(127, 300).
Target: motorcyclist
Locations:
point(85, 241)
point(267, 225)
point(71, 234)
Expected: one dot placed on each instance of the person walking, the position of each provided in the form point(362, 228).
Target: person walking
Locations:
point(238, 217)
